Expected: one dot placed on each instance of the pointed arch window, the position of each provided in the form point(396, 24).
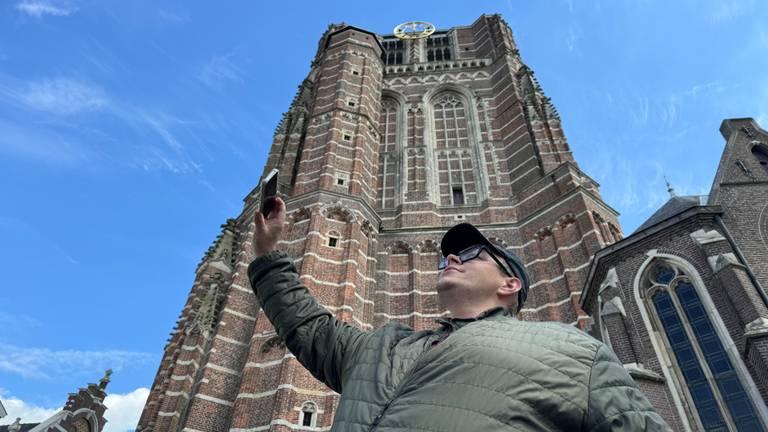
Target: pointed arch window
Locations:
point(455, 164)
point(712, 384)
point(761, 154)
point(388, 153)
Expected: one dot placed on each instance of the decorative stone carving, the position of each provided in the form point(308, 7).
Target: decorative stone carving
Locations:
point(566, 220)
point(398, 248)
point(702, 237)
point(366, 228)
point(301, 214)
point(274, 341)
point(415, 108)
point(543, 233)
point(748, 131)
point(339, 212)
point(428, 246)
point(721, 261)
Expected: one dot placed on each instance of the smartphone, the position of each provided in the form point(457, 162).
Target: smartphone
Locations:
point(269, 192)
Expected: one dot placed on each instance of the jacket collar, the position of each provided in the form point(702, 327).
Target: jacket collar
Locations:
point(457, 323)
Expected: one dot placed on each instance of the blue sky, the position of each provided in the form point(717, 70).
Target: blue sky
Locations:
point(129, 131)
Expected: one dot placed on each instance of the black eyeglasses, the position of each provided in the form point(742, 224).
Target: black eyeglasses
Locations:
point(471, 253)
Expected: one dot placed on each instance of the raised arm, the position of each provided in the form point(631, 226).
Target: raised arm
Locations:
point(322, 343)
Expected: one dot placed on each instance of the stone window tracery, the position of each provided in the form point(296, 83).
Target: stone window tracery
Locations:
point(388, 155)
point(712, 384)
point(455, 164)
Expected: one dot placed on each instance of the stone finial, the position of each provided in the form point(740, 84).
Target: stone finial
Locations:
point(15, 426)
point(105, 380)
point(670, 189)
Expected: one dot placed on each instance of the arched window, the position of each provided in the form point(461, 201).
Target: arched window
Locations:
point(388, 156)
point(712, 384)
point(81, 425)
point(761, 154)
point(308, 415)
point(455, 164)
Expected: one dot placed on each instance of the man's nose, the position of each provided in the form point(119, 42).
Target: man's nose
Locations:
point(453, 258)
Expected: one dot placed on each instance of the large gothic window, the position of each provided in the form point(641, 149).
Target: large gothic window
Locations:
point(455, 164)
point(388, 156)
point(712, 383)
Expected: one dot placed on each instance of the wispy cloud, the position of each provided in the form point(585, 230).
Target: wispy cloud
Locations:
point(173, 17)
point(44, 363)
point(39, 8)
point(727, 10)
point(123, 410)
point(666, 109)
point(64, 96)
point(219, 71)
point(61, 138)
point(572, 37)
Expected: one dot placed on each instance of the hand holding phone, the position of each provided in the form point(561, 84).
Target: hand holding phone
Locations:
point(269, 219)
point(269, 192)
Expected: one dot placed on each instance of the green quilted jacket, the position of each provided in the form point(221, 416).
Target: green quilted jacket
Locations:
point(491, 373)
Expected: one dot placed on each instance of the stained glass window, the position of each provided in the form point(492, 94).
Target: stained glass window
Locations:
point(712, 381)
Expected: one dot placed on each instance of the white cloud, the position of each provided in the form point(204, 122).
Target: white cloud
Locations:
point(124, 410)
point(63, 96)
point(219, 70)
point(28, 413)
point(43, 363)
point(38, 8)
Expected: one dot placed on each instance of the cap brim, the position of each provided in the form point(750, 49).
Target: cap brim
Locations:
point(461, 237)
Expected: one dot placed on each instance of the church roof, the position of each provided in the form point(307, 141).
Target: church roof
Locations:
point(24, 427)
point(675, 205)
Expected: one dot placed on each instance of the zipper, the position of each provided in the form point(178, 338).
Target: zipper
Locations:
point(395, 394)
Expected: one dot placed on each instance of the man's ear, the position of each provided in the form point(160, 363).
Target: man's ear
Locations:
point(510, 287)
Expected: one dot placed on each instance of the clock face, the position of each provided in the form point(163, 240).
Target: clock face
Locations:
point(414, 30)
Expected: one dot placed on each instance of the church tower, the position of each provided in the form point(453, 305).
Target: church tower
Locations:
point(390, 140)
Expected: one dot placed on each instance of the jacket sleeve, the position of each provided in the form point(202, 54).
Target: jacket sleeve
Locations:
point(615, 402)
point(322, 343)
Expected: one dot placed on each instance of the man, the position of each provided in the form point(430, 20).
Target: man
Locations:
point(482, 370)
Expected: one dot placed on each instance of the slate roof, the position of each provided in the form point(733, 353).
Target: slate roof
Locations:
point(675, 205)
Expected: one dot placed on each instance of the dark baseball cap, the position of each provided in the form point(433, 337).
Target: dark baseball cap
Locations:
point(465, 235)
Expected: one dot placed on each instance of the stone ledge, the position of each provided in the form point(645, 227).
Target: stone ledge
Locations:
point(639, 371)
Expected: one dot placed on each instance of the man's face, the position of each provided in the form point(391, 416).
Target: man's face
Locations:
point(481, 277)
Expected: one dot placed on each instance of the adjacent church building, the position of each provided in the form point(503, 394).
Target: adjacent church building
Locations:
point(682, 300)
point(391, 140)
